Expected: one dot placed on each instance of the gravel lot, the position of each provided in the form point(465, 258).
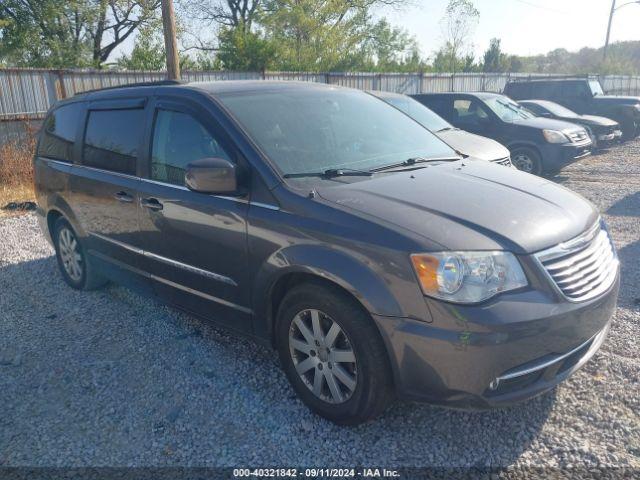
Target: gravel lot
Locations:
point(109, 378)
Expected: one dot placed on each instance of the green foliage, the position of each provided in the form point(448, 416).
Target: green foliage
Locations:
point(310, 35)
point(240, 49)
point(68, 33)
point(623, 59)
point(148, 51)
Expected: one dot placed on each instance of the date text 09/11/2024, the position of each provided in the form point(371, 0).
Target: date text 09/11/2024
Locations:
point(316, 472)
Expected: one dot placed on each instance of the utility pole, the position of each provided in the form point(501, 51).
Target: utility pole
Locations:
point(613, 10)
point(170, 45)
point(606, 43)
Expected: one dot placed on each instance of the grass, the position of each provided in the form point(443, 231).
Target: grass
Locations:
point(16, 171)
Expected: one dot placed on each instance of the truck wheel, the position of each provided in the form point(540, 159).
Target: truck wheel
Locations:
point(333, 355)
point(72, 258)
point(527, 160)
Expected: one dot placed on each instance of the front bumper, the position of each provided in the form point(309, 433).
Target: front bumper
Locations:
point(518, 346)
point(556, 156)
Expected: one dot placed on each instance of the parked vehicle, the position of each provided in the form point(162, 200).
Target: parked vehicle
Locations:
point(603, 131)
point(537, 145)
point(583, 95)
point(328, 224)
point(462, 142)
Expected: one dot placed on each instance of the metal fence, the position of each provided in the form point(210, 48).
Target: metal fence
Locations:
point(26, 94)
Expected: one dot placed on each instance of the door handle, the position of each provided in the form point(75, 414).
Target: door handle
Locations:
point(151, 203)
point(123, 197)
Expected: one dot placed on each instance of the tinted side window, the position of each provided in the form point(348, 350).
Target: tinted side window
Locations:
point(537, 109)
point(468, 110)
point(59, 132)
point(518, 91)
point(575, 89)
point(179, 139)
point(112, 138)
point(545, 90)
point(442, 106)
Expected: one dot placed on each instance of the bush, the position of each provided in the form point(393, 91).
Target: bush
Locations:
point(16, 169)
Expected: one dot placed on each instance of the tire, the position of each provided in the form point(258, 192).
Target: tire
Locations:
point(368, 387)
point(527, 160)
point(628, 129)
point(595, 145)
point(73, 261)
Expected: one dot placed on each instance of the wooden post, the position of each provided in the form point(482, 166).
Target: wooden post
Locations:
point(169, 27)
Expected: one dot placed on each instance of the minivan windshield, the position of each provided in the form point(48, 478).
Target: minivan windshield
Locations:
point(419, 113)
point(507, 109)
point(318, 129)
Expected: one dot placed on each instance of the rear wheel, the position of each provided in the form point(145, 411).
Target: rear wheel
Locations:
point(333, 355)
point(72, 258)
point(527, 160)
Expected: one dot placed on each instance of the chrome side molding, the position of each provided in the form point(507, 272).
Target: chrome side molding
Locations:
point(168, 261)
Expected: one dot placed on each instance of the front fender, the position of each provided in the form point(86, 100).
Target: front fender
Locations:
point(334, 265)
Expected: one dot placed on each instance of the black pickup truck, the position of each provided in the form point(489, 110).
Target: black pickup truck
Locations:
point(582, 95)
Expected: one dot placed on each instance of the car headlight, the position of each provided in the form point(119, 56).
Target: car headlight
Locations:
point(467, 277)
point(555, 136)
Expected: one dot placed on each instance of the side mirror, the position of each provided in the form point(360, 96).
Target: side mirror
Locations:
point(211, 175)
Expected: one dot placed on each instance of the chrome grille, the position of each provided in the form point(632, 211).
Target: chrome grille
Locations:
point(506, 162)
point(584, 267)
point(578, 136)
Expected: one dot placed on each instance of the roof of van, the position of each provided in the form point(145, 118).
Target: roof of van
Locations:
point(214, 88)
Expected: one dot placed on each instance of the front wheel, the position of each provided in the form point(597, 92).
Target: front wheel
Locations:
point(333, 355)
point(527, 160)
point(629, 130)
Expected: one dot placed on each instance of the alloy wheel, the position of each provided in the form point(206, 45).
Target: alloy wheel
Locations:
point(523, 162)
point(70, 254)
point(323, 356)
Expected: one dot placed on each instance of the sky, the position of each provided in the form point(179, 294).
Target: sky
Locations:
point(526, 27)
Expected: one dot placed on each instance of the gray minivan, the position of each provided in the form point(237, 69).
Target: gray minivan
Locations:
point(333, 227)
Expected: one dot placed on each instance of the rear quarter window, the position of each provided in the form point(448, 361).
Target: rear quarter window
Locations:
point(112, 138)
point(58, 132)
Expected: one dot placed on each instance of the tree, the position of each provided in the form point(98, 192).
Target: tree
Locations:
point(148, 51)
point(458, 24)
point(228, 13)
point(494, 59)
point(76, 33)
point(243, 50)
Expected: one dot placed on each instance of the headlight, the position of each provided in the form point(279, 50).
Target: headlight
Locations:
point(467, 277)
point(554, 136)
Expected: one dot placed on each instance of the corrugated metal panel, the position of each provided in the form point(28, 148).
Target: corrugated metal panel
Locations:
point(28, 93)
point(24, 93)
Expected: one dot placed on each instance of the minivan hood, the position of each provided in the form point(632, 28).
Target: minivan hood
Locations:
point(470, 206)
point(474, 145)
point(545, 123)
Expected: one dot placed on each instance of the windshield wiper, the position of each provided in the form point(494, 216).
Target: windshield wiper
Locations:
point(331, 173)
point(413, 161)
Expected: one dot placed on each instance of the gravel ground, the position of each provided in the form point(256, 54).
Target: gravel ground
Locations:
point(109, 378)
